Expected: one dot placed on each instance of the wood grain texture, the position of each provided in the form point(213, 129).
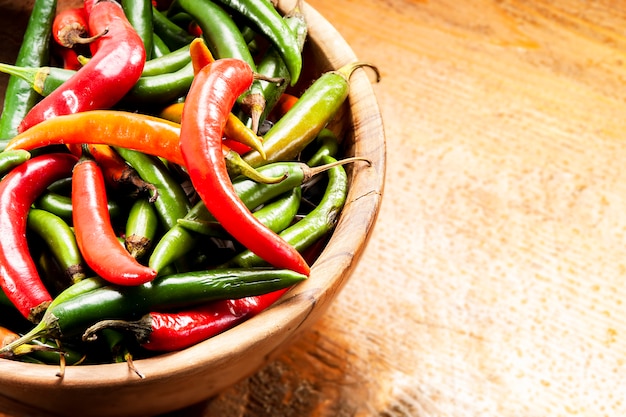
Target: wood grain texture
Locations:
point(492, 284)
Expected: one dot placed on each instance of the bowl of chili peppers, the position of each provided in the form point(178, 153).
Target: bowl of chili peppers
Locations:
point(185, 187)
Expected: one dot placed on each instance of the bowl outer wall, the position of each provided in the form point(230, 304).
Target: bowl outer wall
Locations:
point(179, 379)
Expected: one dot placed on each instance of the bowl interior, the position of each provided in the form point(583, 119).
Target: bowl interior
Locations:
point(206, 368)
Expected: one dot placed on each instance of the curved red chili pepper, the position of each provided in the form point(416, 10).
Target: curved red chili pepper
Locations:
point(113, 70)
point(18, 190)
point(178, 330)
point(211, 97)
point(95, 236)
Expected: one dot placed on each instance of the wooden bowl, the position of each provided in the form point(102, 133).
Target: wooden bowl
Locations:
point(179, 379)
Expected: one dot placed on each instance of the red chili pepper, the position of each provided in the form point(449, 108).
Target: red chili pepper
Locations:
point(211, 97)
point(194, 28)
point(172, 331)
point(70, 26)
point(176, 330)
point(116, 65)
point(95, 236)
point(18, 190)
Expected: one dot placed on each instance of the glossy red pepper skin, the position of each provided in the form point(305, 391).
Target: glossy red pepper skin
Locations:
point(210, 100)
point(19, 278)
point(88, 5)
point(95, 236)
point(116, 65)
point(178, 330)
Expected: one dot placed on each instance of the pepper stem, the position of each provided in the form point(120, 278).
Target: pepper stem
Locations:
point(347, 70)
point(139, 328)
point(310, 172)
point(84, 41)
point(237, 166)
point(261, 77)
point(13, 348)
point(254, 105)
point(25, 73)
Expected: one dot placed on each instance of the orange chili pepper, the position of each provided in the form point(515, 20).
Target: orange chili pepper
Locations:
point(148, 134)
point(7, 336)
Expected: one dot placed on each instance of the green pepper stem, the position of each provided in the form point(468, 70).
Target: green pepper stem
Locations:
point(27, 74)
point(237, 166)
point(12, 348)
point(310, 172)
point(347, 70)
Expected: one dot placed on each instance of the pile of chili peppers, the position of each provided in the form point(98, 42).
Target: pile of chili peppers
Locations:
point(163, 178)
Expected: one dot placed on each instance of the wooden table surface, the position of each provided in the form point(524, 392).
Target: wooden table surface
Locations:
point(492, 285)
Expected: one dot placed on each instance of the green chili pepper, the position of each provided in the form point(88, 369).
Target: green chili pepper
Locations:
point(273, 65)
point(181, 19)
point(316, 224)
point(62, 186)
point(276, 215)
point(61, 205)
point(264, 17)
point(11, 159)
point(139, 14)
point(172, 202)
point(72, 317)
point(34, 52)
point(81, 287)
point(172, 35)
point(161, 89)
point(326, 144)
point(141, 228)
point(308, 116)
point(220, 32)
point(60, 239)
point(153, 89)
point(170, 62)
point(159, 48)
